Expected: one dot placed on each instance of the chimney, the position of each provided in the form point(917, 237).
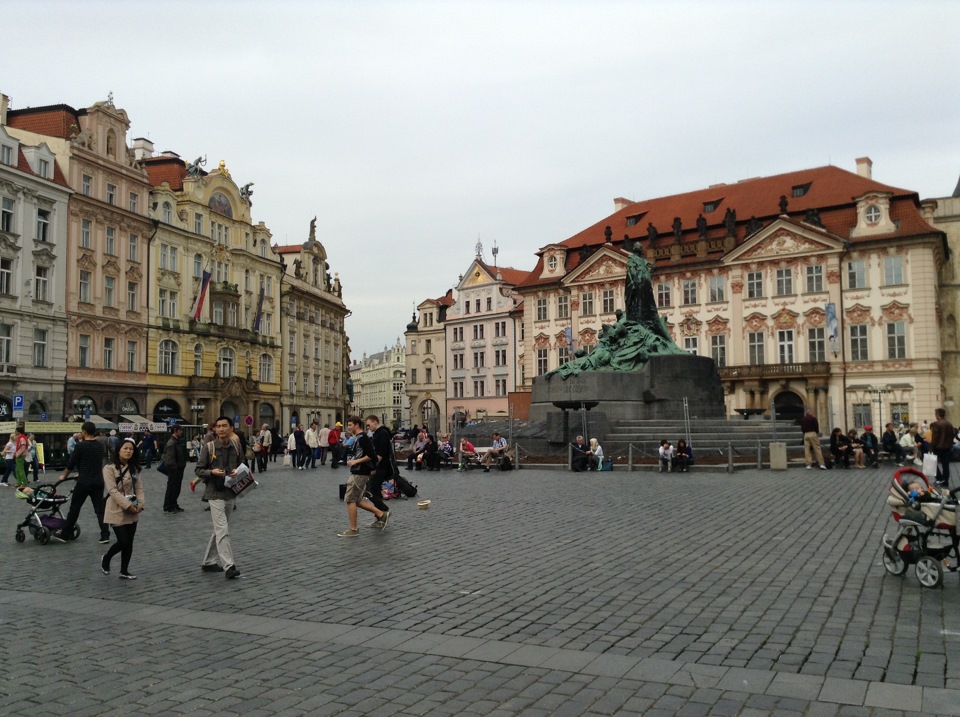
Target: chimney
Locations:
point(4, 105)
point(142, 148)
point(865, 167)
point(620, 203)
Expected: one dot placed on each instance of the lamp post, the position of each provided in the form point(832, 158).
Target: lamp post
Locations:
point(197, 409)
point(880, 391)
point(82, 406)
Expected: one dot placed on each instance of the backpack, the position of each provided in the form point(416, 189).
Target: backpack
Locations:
point(405, 486)
point(506, 464)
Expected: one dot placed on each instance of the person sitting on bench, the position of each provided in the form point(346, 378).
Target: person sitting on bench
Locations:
point(580, 460)
point(496, 451)
point(467, 452)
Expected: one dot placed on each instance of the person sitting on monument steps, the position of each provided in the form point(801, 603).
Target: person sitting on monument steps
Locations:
point(682, 457)
point(580, 461)
point(666, 455)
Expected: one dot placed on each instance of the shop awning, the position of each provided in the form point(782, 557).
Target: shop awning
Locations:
point(102, 423)
point(134, 418)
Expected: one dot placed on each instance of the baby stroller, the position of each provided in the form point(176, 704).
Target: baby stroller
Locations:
point(926, 529)
point(44, 516)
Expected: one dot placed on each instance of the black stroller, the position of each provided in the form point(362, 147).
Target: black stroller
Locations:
point(44, 516)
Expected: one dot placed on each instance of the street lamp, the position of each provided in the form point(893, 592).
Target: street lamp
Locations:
point(880, 391)
point(82, 405)
point(197, 409)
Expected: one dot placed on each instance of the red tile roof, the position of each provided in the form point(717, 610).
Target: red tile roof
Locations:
point(53, 120)
point(162, 169)
point(24, 167)
point(295, 249)
point(831, 191)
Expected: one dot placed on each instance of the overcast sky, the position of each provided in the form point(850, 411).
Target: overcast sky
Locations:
point(410, 129)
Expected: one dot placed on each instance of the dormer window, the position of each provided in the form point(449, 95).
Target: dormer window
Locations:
point(43, 168)
point(801, 189)
point(6, 155)
point(711, 206)
point(552, 263)
point(872, 214)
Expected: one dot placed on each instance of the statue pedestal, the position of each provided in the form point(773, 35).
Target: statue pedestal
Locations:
point(655, 392)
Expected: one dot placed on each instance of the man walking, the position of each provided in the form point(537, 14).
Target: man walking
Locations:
point(385, 464)
point(942, 434)
point(361, 460)
point(147, 446)
point(87, 458)
point(323, 441)
point(300, 441)
point(218, 459)
point(810, 427)
point(312, 444)
point(175, 459)
point(333, 441)
point(266, 445)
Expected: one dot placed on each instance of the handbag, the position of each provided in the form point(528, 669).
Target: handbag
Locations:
point(288, 460)
point(162, 467)
point(255, 447)
point(930, 465)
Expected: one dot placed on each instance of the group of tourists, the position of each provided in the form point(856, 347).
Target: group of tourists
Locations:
point(19, 455)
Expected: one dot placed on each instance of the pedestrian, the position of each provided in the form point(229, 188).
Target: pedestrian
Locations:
point(323, 441)
point(266, 446)
point(218, 459)
point(175, 459)
point(147, 446)
point(72, 442)
point(113, 443)
point(313, 442)
point(580, 455)
point(361, 461)
point(666, 453)
point(9, 459)
point(385, 464)
point(276, 444)
point(333, 441)
point(125, 502)
point(300, 440)
point(33, 457)
point(87, 458)
point(810, 427)
point(498, 447)
point(23, 452)
point(942, 434)
point(292, 449)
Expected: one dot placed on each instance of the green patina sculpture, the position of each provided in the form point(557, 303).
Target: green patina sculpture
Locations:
point(638, 333)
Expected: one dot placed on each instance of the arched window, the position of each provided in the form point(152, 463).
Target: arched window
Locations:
point(228, 363)
point(266, 368)
point(168, 358)
point(198, 360)
point(197, 266)
point(167, 213)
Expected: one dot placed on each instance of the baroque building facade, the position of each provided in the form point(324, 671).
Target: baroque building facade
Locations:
point(946, 217)
point(312, 315)
point(215, 337)
point(108, 230)
point(813, 289)
point(34, 199)
point(379, 386)
point(426, 358)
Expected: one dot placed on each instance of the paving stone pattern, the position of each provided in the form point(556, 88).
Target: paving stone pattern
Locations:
point(535, 592)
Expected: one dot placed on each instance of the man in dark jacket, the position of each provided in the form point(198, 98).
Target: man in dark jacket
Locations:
point(87, 458)
point(218, 459)
point(942, 434)
point(385, 466)
point(300, 438)
point(175, 459)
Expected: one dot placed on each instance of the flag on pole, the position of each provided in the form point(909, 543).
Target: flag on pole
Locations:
point(201, 295)
point(256, 322)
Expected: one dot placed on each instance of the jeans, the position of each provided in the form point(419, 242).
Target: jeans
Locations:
point(262, 459)
point(943, 465)
point(302, 456)
point(147, 457)
point(8, 469)
point(82, 491)
point(124, 546)
point(172, 494)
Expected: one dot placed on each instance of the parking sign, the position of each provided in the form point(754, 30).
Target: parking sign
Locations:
point(18, 402)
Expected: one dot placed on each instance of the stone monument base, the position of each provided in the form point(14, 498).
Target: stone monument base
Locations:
point(655, 392)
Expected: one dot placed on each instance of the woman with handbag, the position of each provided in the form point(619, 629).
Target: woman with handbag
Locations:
point(121, 479)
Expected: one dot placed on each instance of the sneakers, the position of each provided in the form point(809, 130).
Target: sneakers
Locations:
point(104, 568)
point(212, 568)
point(232, 573)
point(349, 533)
point(104, 541)
point(809, 467)
point(127, 576)
point(384, 519)
point(376, 524)
point(823, 467)
point(486, 470)
point(58, 537)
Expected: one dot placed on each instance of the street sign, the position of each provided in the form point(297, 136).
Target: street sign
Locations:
point(43, 417)
point(236, 421)
point(18, 402)
point(18, 413)
point(248, 420)
point(86, 415)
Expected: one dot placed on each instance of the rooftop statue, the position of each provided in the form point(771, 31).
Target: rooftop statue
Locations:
point(638, 333)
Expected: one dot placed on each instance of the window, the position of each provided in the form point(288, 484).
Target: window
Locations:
point(478, 306)
point(218, 315)
point(689, 291)
point(134, 202)
point(856, 274)
point(563, 355)
point(754, 284)
point(111, 244)
point(198, 359)
point(266, 326)
point(133, 249)
point(166, 212)
point(428, 346)
point(173, 304)
point(6, 276)
point(717, 292)
point(198, 223)
point(542, 362)
point(132, 356)
point(816, 345)
point(899, 413)
point(162, 304)
point(663, 295)
point(489, 304)
point(814, 279)
point(500, 329)
point(86, 185)
point(896, 340)
point(586, 304)
point(608, 301)
point(246, 280)
point(477, 331)
point(43, 167)
point(690, 344)
point(40, 284)
point(83, 352)
point(458, 360)
point(785, 345)
point(563, 307)
point(168, 358)
point(85, 287)
point(541, 309)
point(892, 270)
point(873, 214)
point(316, 349)
point(500, 386)
point(466, 306)
point(458, 333)
point(108, 346)
point(85, 229)
point(164, 256)
point(111, 194)
point(458, 389)
point(39, 348)
point(6, 343)
point(133, 288)
point(227, 360)
point(266, 369)
point(755, 348)
point(858, 343)
point(6, 215)
point(478, 388)
point(500, 357)
point(43, 225)
point(784, 282)
point(801, 189)
point(233, 319)
point(197, 266)
point(174, 264)
point(478, 357)
point(862, 415)
point(718, 349)
point(6, 155)
point(428, 375)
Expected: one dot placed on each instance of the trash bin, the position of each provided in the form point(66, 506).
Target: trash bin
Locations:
point(778, 456)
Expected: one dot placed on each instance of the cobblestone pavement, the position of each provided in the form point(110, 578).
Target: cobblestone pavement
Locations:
point(535, 592)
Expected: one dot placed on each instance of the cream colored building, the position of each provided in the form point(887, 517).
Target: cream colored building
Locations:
point(378, 384)
point(426, 363)
point(753, 274)
point(946, 217)
point(312, 322)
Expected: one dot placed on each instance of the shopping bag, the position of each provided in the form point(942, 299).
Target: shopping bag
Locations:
point(288, 460)
point(930, 465)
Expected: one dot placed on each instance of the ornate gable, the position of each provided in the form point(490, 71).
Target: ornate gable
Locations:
point(785, 319)
point(859, 314)
point(718, 325)
point(784, 239)
point(605, 265)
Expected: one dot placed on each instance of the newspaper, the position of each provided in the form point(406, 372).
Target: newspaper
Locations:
point(241, 482)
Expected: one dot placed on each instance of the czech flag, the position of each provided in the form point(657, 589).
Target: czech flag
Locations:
point(201, 295)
